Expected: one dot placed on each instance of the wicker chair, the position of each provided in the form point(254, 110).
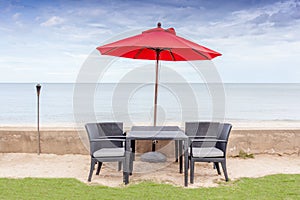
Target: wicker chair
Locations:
point(106, 145)
point(208, 143)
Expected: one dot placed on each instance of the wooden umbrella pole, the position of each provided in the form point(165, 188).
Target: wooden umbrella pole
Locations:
point(156, 88)
point(155, 96)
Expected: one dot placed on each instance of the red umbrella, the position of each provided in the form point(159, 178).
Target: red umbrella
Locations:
point(158, 44)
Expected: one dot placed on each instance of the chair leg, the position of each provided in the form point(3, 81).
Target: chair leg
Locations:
point(180, 155)
point(126, 170)
point(93, 162)
point(99, 168)
point(216, 165)
point(189, 158)
point(131, 164)
point(192, 169)
point(119, 165)
point(176, 150)
point(133, 149)
point(125, 178)
point(223, 163)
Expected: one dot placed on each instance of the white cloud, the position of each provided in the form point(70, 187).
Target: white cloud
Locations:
point(97, 25)
point(281, 13)
point(53, 21)
point(5, 29)
point(16, 16)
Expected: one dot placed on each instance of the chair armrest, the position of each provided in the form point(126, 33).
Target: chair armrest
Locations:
point(202, 137)
point(191, 141)
point(109, 138)
point(207, 140)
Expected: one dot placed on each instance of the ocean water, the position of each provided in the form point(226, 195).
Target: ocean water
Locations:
point(177, 103)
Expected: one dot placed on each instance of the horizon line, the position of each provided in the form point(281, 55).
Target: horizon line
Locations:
point(153, 82)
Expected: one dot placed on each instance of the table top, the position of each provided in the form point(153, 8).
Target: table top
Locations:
point(155, 128)
point(156, 133)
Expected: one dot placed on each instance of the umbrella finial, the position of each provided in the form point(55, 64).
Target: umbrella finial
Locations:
point(158, 25)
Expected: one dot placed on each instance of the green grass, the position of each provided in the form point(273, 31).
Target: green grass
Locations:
point(244, 155)
point(270, 187)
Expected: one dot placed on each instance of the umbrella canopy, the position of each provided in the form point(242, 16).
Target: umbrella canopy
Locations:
point(158, 44)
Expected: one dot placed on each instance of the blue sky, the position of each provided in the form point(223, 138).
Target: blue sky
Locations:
point(48, 41)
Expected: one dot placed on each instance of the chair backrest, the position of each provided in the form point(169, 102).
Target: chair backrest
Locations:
point(96, 130)
point(226, 129)
point(203, 129)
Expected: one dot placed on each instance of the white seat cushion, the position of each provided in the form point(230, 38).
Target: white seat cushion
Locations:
point(207, 152)
point(109, 152)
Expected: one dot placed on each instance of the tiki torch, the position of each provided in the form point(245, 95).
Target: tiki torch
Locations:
point(38, 90)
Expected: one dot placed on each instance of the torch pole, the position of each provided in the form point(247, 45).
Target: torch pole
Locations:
point(38, 89)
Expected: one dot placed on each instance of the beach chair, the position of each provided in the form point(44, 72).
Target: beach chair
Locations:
point(202, 130)
point(106, 145)
point(208, 143)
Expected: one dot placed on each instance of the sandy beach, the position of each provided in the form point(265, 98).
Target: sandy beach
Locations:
point(19, 165)
point(25, 163)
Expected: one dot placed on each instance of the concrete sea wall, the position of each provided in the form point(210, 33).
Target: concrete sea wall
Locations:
point(75, 142)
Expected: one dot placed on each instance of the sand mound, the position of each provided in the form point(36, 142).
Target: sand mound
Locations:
point(18, 165)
